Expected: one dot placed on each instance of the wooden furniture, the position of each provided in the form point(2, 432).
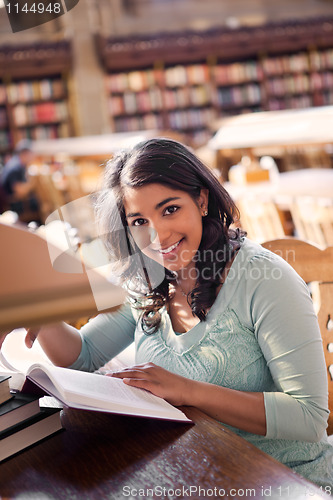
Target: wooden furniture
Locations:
point(34, 97)
point(109, 456)
point(183, 81)
point(316, 182)
point(314, 265)
point(260, 219)
point(313, 218)
point(298, 138)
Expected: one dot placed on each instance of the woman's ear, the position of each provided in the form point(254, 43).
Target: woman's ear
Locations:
point(203, 199)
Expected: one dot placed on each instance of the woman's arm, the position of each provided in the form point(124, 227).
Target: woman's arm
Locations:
point(244, 410)
point(102, 338)
point(60, 342)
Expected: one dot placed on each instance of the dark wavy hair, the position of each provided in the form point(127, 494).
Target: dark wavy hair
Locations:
point(170, 163)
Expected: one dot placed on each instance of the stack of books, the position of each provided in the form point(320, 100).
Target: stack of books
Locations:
point(25, 420)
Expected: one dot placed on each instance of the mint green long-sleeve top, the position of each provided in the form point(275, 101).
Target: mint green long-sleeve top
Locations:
point(260, 335)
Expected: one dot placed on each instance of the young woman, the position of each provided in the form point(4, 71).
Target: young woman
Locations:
point(227, 327)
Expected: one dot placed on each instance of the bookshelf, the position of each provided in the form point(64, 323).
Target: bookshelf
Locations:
point(184, 81)
point(34, 97)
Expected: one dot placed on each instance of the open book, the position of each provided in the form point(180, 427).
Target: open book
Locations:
point(91, 391)
point(81, 390)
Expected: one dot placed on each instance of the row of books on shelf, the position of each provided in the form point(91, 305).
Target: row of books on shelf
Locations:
point(276, 103)
point(320, 61)
point(295, 102)
point(39, 132)
point(145, 122)
point(242, 95)
point(300, 83)
point(179, 76)
point(155, 99)
point(226, 74)
point(303, 62)
point(295, 63)
point(295, 84)
point(33, 90)
point(173, 76)
point(191, 118)
point(186, 119)
point(34, 114)
point(220, 74)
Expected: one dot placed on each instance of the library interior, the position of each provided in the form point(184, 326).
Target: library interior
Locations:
point(246, 88)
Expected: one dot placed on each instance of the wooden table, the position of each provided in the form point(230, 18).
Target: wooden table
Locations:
point(102, 456)
point(317, 182)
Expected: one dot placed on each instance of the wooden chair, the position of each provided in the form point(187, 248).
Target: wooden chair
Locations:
point(50, 198)
point(260, 219)
point(313, 219)
point(314, 265)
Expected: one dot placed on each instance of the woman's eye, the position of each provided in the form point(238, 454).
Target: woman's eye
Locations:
point(138, 222)
point(171, 210)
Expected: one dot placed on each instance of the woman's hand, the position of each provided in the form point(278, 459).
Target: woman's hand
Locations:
point(160, 382)
point(29, 338)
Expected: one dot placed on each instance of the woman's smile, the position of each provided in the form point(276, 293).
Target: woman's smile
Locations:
point(172, 249)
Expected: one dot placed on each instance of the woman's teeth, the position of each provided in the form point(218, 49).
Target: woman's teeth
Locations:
point(169, 249)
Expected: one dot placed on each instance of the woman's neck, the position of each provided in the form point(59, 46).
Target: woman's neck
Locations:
point(187, 278)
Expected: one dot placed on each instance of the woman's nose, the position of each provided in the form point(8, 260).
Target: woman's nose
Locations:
point(160, 234)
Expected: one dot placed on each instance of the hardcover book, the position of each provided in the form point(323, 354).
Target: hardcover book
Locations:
point(31, 431)
point(5, 393)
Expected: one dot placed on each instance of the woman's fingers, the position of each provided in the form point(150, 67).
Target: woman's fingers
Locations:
point(137, 371)
point(31, 336)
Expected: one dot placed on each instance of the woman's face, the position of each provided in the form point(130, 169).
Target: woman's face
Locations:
point(173, 220)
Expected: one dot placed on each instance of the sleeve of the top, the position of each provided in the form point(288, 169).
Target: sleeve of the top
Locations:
point(103, 337)
point(288, 333)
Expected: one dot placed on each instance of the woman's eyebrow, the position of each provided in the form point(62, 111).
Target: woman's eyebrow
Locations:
point(159, 205)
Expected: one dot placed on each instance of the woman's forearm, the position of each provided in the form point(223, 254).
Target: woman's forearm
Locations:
point(244, 410)
point(61, 343)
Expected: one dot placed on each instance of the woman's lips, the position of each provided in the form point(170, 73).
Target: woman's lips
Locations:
point(171, 250)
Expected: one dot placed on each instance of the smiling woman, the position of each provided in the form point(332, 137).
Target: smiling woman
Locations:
point(175, 210)
point(219, 322)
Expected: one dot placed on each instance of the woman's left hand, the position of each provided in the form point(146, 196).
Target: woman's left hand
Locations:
point(164, 384)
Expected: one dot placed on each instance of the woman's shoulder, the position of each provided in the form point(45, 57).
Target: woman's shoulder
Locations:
point(252, 252)
point(254, 262)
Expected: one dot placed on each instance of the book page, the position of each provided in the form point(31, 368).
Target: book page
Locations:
point(88, 390)
point(15, 357)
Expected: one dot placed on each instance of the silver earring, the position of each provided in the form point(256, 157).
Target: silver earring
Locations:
point(205, 213)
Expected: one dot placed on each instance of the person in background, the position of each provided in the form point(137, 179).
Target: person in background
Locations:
point(230, 327)
point(16, 185)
